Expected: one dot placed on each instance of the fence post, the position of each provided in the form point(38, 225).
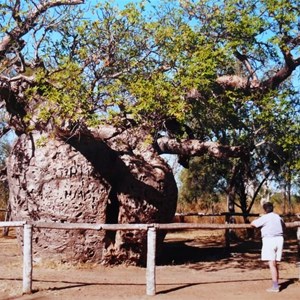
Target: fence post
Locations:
point(7, 218)
point(298, 239)
point(27, 259)
point(150, 273)
point(227, 232)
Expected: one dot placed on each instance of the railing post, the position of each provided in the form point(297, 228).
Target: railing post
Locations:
point(151, 251)
point(298, 239)
point(7, 218)
point(27, 259)
point(298, 259)
point(227, 233)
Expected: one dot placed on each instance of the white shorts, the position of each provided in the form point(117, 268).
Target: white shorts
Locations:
point(272, 248)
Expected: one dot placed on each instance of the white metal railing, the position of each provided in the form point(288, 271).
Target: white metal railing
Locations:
point(151, 241)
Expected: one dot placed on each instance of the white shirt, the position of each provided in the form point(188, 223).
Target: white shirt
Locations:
point(271, 225)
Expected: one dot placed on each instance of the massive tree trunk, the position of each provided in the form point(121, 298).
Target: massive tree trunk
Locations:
point(92, 181)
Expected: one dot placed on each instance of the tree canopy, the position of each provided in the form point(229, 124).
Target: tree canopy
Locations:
point(201, 76)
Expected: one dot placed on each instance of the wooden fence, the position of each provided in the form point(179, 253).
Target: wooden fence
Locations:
point(228, 219)
point(151, 242)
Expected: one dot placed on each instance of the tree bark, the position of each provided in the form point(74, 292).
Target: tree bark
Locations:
point(93, 182)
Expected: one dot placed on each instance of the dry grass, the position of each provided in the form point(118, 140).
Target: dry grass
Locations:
point(222, 207)
point(60, 266)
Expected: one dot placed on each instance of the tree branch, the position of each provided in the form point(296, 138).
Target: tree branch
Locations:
point(238, 82)
point(16, 12)
point(234, 82)
point(29, 79)
point(244, 59)
point(101, 132)
point(283, 73)
point(198, 148)
point(29, 22)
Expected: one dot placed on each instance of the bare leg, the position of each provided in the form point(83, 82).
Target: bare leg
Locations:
point(274, 271)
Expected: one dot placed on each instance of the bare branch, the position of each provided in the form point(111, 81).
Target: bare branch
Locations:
point(104, 132)
point(29, 21)
point(290, 64)
point(283, 73)
point(238, 82)
point(16, 12)
point(101, 132)
point(29, 79)
point(198, 148)
point(244, 59)
point(232, 81)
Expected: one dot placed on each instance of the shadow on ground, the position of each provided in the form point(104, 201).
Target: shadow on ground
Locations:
point(242, 254)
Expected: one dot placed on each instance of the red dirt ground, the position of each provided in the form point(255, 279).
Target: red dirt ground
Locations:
point(194, 266)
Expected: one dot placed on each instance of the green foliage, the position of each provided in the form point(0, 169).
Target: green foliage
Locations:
point(203, 180)
point(143, 62)
point(65, 94)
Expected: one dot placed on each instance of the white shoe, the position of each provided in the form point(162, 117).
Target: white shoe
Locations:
point(273, 290)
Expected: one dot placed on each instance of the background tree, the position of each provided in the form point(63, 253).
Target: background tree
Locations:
point(203, 183)
point(269, 127)
point(4, 152)
point(96, 100)
point(273, 162)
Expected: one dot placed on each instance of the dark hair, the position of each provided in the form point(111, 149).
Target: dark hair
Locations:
point(268, 207)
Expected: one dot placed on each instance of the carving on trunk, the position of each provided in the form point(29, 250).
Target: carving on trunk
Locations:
point(87, 181)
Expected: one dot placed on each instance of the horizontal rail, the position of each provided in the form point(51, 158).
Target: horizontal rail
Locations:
point(200, 214)
point(89, 226)
point(235, 214)
point(12, 224)
point(171, 226)
point(163, 226)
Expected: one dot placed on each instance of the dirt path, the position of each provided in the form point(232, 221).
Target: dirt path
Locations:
point(194, 267)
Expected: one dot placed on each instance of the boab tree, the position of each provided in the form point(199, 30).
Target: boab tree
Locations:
point(95, 95)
